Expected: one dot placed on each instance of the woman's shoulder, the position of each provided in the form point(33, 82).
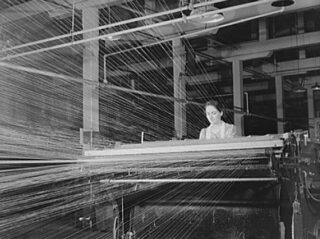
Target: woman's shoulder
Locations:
point(203, 133)
point(205, 129)
point(230, 129)
point(229, 125)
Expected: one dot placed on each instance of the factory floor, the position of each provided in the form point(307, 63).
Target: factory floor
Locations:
point(62, 228)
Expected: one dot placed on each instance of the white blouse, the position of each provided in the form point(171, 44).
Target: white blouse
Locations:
point(222, 131)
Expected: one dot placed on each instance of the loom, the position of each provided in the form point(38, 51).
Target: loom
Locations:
point(227, 187)
point(246, 187)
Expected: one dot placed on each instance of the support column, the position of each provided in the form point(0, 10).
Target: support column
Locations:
point(237, 70)
point(179, 88)
point(300, 21)
point(90, 19)
point(263, 31)
point(300, 30)
point(279, 103)
point(311, 114)
point(150, 8)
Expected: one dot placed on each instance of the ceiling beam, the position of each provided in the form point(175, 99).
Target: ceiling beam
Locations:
point(282, 68)
point(251, 48)
point(31, 8)
point(80, 4)
point(292, 67)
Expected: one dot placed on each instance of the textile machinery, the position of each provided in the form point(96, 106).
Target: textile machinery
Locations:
point(245, 187)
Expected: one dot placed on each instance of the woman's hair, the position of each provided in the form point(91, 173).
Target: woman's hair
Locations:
point(214, 103)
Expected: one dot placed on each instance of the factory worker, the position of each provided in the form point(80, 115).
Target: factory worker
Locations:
point(217, 129)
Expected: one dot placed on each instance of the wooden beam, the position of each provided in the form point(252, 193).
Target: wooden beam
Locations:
point(167, 147)
point(90, 19)
point(249, 48)
point(279, 103)
point(237, 70)
point(179, 87)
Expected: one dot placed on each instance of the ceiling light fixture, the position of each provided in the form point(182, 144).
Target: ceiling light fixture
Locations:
point(282, 3)
point(207, 18)
point(215, 18)
point(113, 38)
point(315, 86)
point(300, 88)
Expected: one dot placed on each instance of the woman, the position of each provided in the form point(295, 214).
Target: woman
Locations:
point(217, 129)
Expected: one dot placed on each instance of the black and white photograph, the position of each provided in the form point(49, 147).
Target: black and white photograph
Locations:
point(159, 119)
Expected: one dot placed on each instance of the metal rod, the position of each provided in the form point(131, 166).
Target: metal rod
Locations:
point(226, 204)
point(211, 146)
point(196, 32)
point(111, 25)
point(185, 169)
point(141, 28)
point(188, 180)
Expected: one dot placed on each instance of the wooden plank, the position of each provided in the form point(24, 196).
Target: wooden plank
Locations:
point(188, 180)
point(185, 146)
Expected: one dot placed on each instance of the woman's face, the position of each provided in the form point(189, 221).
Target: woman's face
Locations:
point(213, 114)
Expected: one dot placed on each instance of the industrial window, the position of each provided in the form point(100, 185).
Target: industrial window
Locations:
point(247, 31)
point(312, 20)
point(283, 25)
point(286, 55)
point(313, 51)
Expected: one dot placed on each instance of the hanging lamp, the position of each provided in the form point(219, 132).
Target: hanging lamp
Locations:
point(316, 86)
point(300, 88)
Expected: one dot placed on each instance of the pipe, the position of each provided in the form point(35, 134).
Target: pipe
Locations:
point(225, 204)
point(188, 180)
point(182, 36)
point(196, 33)
point(111, 25)
point(146, 27)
